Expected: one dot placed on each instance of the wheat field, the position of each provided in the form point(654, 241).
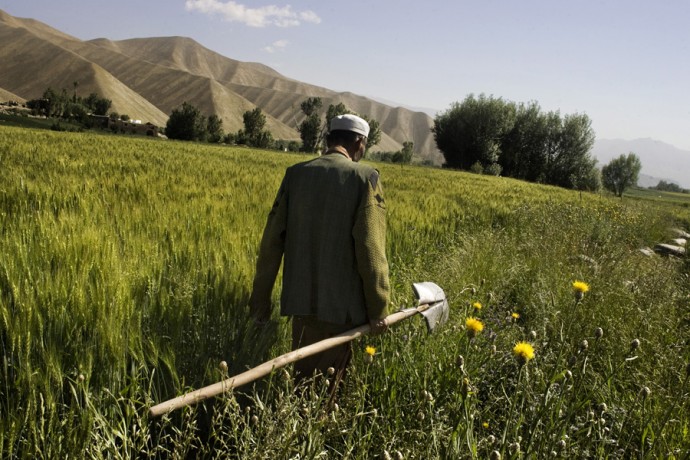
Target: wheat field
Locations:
point(126, 266)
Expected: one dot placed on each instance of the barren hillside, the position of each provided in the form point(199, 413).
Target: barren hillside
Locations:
point(147, 78)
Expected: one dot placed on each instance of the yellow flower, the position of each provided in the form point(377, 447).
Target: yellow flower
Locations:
point(515, 315)
point(477, 306)
point(524, 352)
point(371, 351)
point(580, 287)
point(485, 425)
point(473, 326)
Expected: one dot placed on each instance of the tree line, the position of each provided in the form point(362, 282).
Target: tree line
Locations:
point(188, 123)
point(494, 136)
point(489, 135)
point(482, 134)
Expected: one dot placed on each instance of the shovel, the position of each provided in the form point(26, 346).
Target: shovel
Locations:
point(431, 303)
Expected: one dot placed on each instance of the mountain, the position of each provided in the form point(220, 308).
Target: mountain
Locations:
point(660, 161)
point(147, 78)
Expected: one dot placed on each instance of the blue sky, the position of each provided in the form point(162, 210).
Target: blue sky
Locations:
point(625, 63)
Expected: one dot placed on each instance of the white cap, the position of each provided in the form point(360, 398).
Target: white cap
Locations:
point(349, 122)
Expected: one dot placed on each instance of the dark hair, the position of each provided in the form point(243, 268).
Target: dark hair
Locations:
point(339, 136)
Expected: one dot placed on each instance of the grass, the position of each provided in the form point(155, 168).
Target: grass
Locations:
point(125, 269)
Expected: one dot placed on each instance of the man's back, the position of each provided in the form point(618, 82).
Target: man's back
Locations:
point(325, 199)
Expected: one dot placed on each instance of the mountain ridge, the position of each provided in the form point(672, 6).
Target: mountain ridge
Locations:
point(147, 78)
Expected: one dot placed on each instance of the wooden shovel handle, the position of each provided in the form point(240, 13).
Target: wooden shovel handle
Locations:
point(266, 368)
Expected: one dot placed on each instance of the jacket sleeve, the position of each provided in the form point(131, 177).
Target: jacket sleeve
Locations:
point(270, 256)
point(369, 234)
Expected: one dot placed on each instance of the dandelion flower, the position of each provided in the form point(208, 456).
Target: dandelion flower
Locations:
point(580, 287)
point(477, 306)
point(485, 425)
point(524, 352)
point(371, 351)
point(474, 326)
point(515, 315)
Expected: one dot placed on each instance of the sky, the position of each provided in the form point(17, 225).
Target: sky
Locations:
point(624, 63)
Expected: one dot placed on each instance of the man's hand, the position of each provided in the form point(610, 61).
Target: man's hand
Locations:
point(378, 326)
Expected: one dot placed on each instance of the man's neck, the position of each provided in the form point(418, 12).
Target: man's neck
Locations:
point(338, 149)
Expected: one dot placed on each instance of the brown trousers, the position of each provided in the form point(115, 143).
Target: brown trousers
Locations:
point(306, 331)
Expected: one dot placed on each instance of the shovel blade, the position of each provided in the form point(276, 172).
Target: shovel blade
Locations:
point(431, 294)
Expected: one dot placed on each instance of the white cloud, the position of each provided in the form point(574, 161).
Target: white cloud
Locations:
point(270, 15)
point(278, 45)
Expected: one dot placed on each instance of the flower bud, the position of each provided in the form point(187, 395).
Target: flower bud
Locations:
point(460, 362)
point(533, 335)
point(330, 371)
point(568, 375)
point(561, 444)
point(81, 378)
point(223, 366)
point(514, 448)
point(254, 419)
point(644, 392)
point(635, 344)
point(598, 333)
point(584, 345)
point(495, 455)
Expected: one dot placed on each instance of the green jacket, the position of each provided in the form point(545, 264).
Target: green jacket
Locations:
point(328, 225)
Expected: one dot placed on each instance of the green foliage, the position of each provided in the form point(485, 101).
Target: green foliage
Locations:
point(214, 129)
point(186, 123)
point(311, 105)
point(403, 156)
point(374, 132)
point(472, 131)
point(309, 129)
point(621, 173)
point(669, 187)
point(97, 105)
point(125, 272)
point(497, 137)
point(254, 134)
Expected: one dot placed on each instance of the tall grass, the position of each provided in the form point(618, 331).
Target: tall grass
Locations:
point(125, 269)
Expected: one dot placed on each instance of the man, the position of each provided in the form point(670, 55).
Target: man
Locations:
point(328, 226)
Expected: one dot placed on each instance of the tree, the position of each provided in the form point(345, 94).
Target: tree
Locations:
point(668, 187)
point(523, 150)
point(186, 123)
point(98, 105)
point(253, 134)
point(621, 173)
point(311, 105)
point(472, 131)
point(309, 129)
point(374, 132)
point(571, 164)
point(214, 129)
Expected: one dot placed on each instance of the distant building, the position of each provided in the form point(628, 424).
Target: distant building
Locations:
point(129, 127)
